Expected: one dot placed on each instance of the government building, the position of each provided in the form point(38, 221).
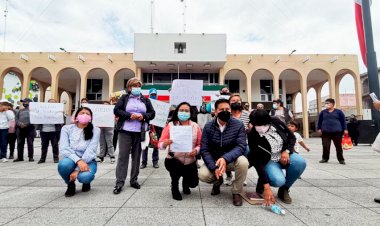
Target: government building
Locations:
point(158, 59)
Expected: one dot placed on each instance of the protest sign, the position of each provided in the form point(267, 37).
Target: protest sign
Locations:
point(186, 91)
point(102, 114)
point(46, 113)
point(162, 112)
point(182, 137)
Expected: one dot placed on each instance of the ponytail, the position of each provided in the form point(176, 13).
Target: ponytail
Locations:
point(88, 133)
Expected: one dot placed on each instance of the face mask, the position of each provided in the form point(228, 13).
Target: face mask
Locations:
point(236, 106)
point(224, 116)
point(154, 97)
point(275, 106)
point(225, 93)
point(25, 105)
point(183, 116)
point(136, 91)
point(84, 119)
point(262, 129)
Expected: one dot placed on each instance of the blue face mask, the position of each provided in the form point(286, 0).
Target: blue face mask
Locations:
point(183, 116)
point(274, 106)
point(154, 97)
point(136, 91)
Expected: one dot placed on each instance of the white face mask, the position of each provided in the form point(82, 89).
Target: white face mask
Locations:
point(262, 129)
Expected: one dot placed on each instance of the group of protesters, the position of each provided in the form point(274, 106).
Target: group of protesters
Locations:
point(225, 135)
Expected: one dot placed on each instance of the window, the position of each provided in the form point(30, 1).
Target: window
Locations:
point(233, 85)
point(180, 47)
point(94, 89)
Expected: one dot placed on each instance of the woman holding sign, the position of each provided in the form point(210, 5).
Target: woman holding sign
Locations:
point(79, 143)
point(181, 163)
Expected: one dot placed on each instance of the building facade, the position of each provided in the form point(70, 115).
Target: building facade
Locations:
point(158, 59)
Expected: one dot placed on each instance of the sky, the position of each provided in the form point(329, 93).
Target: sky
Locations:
point(252, 26)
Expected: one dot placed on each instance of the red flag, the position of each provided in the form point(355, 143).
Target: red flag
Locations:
point(360, 29)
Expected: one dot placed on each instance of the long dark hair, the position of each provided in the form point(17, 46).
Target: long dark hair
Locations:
point(88, 134)
point(175, 113)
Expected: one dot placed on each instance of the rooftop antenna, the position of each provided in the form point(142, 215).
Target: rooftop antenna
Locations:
point(184, 15)
point(151, 16)
point(5, 23)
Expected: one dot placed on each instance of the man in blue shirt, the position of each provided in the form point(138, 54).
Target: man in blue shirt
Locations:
point(331, 124)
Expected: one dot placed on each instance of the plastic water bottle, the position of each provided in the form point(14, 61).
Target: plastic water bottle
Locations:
point(275, 209)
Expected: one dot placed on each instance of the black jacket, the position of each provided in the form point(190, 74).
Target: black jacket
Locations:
point(120, 112)
point(260, 149)
point(230, 144)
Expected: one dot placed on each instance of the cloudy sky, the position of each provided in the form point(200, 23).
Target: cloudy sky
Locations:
point(252, 26)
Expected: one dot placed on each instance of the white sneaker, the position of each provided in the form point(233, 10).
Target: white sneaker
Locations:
point(4, 160)
point(245, 183)
point(228, 181)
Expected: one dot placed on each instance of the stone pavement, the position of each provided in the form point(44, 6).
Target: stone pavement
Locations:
point(327, 194)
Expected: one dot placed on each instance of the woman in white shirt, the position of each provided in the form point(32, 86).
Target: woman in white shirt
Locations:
point(6, 116)
point(78, 146)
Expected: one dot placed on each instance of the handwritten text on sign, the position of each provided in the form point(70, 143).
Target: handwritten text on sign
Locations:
point(162, 112)
point(102, 115)
point(182, 137)
point(186, 91)
point(46, 113)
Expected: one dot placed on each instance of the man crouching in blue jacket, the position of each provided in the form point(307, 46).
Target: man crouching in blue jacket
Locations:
point(222, 146)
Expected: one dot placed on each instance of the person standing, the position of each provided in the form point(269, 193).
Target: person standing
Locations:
point(24, 130)
point(281, 112)
point(79, 143)
point(332, 124)
point(154, 134)
point(11, 140)
point(106, 142)
point(222, 146)
point(134, 112)
point(352, 127)
point(6, 116)
point(49, 133)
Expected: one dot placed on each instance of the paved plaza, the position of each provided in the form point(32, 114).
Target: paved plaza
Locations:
point(327, 194)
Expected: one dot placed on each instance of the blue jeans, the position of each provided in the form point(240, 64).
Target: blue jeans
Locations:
point(293, 172)
point(66, 166)
point(3, 143)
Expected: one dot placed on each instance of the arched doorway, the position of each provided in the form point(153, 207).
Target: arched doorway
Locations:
point(121, 78)
point(262, 88)
point(69, 81)
point(347, 87)
point(97, 85)
point(236, 81)
point(40, 79)
point(12, 79)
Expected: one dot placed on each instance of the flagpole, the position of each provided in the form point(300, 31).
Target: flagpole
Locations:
point(373, 76)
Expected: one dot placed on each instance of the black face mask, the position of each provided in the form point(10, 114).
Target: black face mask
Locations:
point(224, 116)
point(25, 105)
point(228, 94)
point(236, 106)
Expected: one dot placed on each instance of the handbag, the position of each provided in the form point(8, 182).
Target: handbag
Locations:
point(153, 137)
point(346, 142)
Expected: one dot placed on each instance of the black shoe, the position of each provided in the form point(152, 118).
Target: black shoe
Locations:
point(342, 162)
point(175, 193)
point(216, 187)
point(86, 187)
point(283, 195)
point(41, 161)
point(31, 159)
point(186, 190)
point(10, 157)
point(155, 165)
point(377, 200)
point(56, 160)
point(18, 160)
point(117, 190)
point(70, 189)
point(136, 185)
point(323, 161)
point(143, 166)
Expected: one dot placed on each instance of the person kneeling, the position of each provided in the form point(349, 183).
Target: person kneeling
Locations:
point(222, 146)
point(182, 164)
point(271, 146)
point(78, 146)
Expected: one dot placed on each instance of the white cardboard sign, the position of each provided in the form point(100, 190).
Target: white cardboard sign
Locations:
point(184, 90)
point(46, 113)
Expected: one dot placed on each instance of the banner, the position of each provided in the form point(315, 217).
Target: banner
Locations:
point(186, 91)
point(46, 113)
point(162, 112)
point(102, 114)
